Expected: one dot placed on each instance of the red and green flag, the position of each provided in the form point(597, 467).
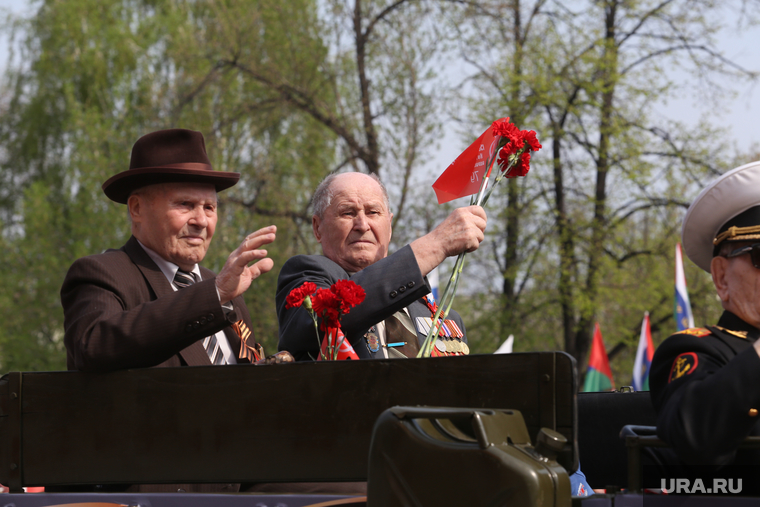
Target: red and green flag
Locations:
point(598, 375)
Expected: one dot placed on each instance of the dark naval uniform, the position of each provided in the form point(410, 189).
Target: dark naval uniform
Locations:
point(705, 386)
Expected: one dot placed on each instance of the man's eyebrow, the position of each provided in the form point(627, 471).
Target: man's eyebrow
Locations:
point(188, 198)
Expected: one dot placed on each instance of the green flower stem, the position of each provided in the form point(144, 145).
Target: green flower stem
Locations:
point(332, 348)
point(491, 160)
point(500, 175)
point(443, 308)
point(316, 329)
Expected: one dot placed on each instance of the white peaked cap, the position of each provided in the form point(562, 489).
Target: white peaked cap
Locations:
point(721, 201)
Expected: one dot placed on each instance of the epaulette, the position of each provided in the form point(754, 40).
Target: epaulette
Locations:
point(699, 332)
point(738, 334)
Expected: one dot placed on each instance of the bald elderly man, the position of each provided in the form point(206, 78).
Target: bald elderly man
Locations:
point(705, 382)
point(352, 222)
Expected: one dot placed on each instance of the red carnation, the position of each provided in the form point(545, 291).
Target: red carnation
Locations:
point(502, 128)
point(326, 305)
point(349, 293)
point(296, 296)
point(504, 155)
point(510, 132)
point(531, 139)
point(521, 167)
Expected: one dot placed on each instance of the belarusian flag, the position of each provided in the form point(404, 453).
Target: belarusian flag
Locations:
point(598, 375)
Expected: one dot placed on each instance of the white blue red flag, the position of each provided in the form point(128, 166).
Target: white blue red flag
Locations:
point(644, 355)
point(682, 307)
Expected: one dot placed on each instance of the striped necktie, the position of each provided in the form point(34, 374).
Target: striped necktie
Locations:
point(184, 279)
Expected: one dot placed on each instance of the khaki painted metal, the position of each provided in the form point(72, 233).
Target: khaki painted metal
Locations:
point(445, 456)
point(275, 423)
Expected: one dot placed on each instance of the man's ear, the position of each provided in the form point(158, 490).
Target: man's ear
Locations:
point(718, 269)
point(133, 205)
point(390, 235)
point(315, 228)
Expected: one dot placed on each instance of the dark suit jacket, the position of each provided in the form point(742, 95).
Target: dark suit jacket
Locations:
point(121, 312)
point(390, 284)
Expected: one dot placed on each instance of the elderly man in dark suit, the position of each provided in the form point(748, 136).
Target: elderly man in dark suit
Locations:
point(149, 303)
point(352, 222)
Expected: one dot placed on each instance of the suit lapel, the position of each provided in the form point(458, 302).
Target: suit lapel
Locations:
point(153, 275)
point(193, 355)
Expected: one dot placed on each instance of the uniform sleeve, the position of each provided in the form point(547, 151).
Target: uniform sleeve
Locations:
point(390, 285)
point(111, 323)
point(703, 397)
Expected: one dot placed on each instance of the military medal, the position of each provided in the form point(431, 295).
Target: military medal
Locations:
point(373, 341)
point(449, 340)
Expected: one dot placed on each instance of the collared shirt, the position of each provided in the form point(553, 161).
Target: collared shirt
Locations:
point(169, 269)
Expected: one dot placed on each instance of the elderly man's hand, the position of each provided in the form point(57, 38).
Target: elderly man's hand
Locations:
point(236, 275)
point(462, 231)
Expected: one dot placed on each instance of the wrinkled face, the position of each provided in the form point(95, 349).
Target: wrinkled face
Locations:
point(176, 220)
point(737, 282)
point(355, 229)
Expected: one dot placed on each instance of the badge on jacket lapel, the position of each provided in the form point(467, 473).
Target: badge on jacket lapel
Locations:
point(373, 340)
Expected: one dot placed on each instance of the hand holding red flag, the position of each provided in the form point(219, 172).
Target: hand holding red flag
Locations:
point(469, 174)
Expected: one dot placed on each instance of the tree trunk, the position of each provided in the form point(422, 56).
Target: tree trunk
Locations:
point(513, 191)
point(599, 221)
point(372, 159)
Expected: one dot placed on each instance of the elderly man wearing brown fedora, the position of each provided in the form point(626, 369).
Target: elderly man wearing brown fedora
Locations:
point(149, 303)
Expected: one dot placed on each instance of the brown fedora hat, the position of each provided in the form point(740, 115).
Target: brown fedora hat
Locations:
point(174, 155)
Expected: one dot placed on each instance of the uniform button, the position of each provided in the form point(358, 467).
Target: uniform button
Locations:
point(393, 294)
point(196, 324)
point(401, 289)
point(180, 490)
point(211, 317)
point(753, 412)
point(189, 328)
point(410, 285)
point(203, 321)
